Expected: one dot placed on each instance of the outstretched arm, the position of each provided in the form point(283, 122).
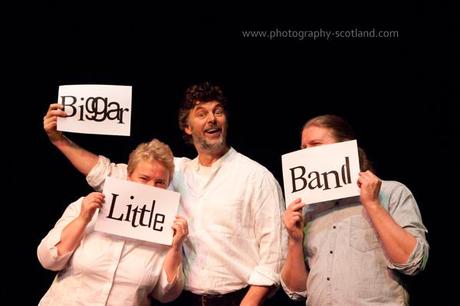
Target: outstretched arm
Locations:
point(80, 158)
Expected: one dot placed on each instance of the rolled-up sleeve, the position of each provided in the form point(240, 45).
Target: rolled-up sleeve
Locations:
point(417, 260)
point(103, 168)
point(166, 291)
point(406, 213)
point(293, 295)
point(47, 252)
point(269, 233)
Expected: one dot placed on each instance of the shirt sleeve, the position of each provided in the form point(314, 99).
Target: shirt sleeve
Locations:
point(47, 252)
point(165, 291)
point(268, 205)
point(103, 168)
point(406, 213)
point(293, 295)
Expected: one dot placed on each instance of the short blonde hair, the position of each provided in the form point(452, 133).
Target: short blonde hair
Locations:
point(153, 150)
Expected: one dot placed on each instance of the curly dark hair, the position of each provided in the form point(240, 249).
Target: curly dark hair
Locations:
point(196, 94)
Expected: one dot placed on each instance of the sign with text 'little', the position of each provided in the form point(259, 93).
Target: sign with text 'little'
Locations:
point(138, 211)
point(321, 173)
point(96, 109)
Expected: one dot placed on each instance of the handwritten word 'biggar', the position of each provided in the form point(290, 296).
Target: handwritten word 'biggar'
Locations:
point(94, 109)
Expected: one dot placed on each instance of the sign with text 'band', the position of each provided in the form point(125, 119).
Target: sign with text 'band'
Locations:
point(321, 173)
point(96, 109)
point(138, 211)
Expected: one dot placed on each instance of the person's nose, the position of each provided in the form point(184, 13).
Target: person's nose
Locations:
point(212, 117)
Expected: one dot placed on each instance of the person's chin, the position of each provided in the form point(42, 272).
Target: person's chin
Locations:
point(215, 143)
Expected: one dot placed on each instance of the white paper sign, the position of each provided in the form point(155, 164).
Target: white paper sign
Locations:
point(138, 211)
point(96, 109)
point(321, 173)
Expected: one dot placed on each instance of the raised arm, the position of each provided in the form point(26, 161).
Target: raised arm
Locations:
point(56, 249)
point(174, 256)
point(73, 233)
point(171, 282)
point(80, 158)
point(397, 242)
point(294, 273)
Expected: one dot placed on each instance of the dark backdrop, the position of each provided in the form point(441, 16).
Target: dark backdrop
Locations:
point(396, 92)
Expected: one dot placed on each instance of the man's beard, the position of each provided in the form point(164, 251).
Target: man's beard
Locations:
point(215, 145)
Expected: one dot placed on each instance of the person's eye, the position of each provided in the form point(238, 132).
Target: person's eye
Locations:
point(219, 111)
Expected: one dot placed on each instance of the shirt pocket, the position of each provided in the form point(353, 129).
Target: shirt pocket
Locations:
point(224, 218)
point(362, 235)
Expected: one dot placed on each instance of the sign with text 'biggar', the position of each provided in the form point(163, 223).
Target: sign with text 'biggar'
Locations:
point(321, 173)
point(96, 109)
point(138, 211)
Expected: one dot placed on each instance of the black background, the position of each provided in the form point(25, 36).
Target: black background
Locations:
point(398, 93)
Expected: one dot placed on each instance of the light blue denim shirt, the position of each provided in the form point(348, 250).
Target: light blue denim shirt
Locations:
point(347, 262)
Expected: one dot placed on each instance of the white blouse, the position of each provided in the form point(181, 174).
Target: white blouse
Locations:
point(105, 269)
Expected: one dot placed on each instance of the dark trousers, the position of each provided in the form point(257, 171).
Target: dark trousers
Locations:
point(189, 299)
point(229, 299)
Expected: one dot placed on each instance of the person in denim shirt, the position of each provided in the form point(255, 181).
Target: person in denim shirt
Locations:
point(351, 251)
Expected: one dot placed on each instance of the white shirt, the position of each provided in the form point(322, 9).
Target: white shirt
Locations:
point(233, 209)
point(105, 269)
